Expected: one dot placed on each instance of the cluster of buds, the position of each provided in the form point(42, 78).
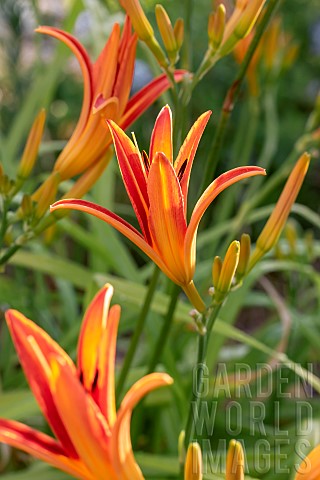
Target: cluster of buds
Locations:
point(235, 462)
point(226, 31)
point(229, 273)
point(172, 36)
point(275, 54)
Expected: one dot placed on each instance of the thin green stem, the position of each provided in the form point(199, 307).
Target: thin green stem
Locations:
point(198, 374)
point(9, 253)
point(232, 95)
point(138, 331)
point(165, 330)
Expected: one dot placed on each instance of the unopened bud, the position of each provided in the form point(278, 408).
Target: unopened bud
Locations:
point(228, 270)
point(46, 194)
point(26, 206)
point(249, 18)
point(138, 19)
point(167, 33)
point(6, 185)
point(193, 465)
point(245, 249)
point(216, 270)
point(276, 222)
point(181, 447)
point(143, 28)
point(235, 461)
point(216, 27)
point(178, 31)
point(31, 149)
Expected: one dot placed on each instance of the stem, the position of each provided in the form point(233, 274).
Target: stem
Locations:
point(138, 331)
point(232, 95)
point(9, 253)
point(201, 367)
point(165, 331)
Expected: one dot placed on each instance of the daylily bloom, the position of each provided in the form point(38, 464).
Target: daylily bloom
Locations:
point(310, 466)
point(158, 190)
point(107, 84)
point(92, 439)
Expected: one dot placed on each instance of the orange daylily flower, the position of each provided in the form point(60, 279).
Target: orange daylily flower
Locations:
point(92, 439)
point(107, 84)
point(310, 466)
point(158, 190)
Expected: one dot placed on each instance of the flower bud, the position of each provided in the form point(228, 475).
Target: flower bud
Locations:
point(167, 33)
point(245, 249)
point(248, 17)
point(26, 206)
point(235, 461)
point(138, 19)
point(216, 26)
point(181, 447)
point(31, 149)
point(228, 270)
point(276, 222)
point(143, 28)
point(178, 31)
point(193, 466)
point(216, 271)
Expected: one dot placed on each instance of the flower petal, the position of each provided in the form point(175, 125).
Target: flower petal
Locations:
point(212, 191)
point(161, 138)
point(86, 68)
point(133, 174)
point(167, 221)
point(97, 350)
point(142, 100)
point(40, 446)
point(33, 347)
point(126, 62)
point(121, 440)
point(115, 221)
point(105, 67)
point(83, 420)
point(310, 466)
point(187, 153)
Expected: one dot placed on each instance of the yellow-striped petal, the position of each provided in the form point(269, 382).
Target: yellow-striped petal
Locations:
point(161, 138)
point(213, 190)
point(83, 420)
point(166, 218)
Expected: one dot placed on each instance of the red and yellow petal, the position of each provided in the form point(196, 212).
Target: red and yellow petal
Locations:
point(115, 221)
point(86, 68)
point(143, 99)
point(166, 218)
point(121, 440)
point(33, 346)
point(105, 68)
point(161, 138)
point(187, 153)
point(83, 420)
point(213, 190)
point(41, 446)
point(124, 78)
point(134, 175)
point(93, 325)
point(310, 466)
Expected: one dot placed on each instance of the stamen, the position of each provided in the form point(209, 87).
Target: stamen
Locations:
point(182, 170)
point(146, 160)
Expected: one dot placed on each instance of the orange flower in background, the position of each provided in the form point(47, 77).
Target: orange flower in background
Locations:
point(92, 439)
point(158, 190)
point(310, 466)
point(107, 84)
